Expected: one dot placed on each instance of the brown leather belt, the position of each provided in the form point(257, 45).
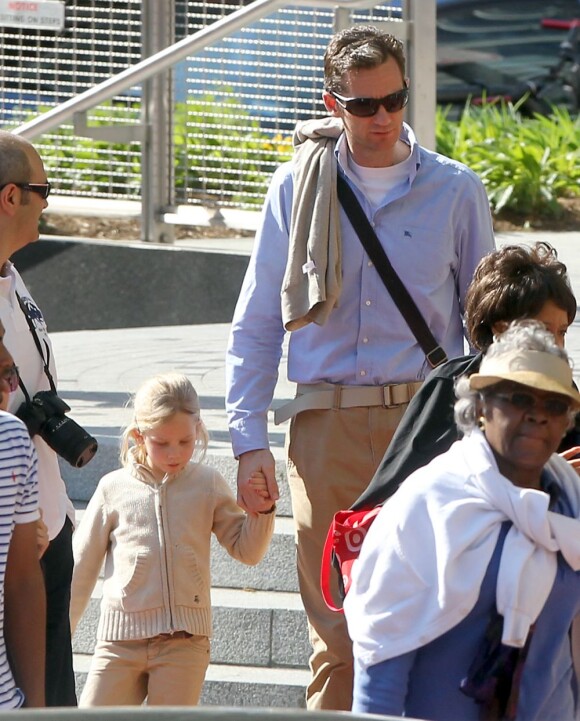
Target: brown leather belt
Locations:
point(175, 634)
point(328, 396)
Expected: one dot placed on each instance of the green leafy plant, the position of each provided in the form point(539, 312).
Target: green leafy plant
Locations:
point(95, 167)
point(220, 154)
point(223, 156)
point(526, 164)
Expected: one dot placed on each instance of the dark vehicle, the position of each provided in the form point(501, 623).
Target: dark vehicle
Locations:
point(512, 50)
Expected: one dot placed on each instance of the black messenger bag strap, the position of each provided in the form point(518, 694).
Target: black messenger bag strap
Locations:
point(405, 303)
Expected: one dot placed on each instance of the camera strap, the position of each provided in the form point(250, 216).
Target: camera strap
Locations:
point(45, 361)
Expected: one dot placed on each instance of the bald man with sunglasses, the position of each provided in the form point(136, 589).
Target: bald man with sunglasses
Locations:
point(353, 357)
point(24, 190)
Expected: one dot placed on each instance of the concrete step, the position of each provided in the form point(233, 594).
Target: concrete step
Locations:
point(204, 286)
point(251, 628)
point(245, 686)
point(276, 571)
point(238, 686)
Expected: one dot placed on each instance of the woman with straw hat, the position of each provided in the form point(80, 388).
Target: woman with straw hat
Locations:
point(468, 582)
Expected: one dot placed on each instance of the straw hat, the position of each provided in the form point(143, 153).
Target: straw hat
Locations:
point(535, 369)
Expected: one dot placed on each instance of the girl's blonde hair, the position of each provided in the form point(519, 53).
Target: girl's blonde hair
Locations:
point(156, 401)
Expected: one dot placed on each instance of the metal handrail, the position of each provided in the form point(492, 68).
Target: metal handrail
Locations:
point(157, 192)
point(165, 59)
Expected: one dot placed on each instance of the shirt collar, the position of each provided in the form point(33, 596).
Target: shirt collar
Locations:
point(407, 136)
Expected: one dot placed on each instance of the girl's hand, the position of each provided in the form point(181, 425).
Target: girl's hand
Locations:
point(260, 461)
point(259, 485)
point(572, 455)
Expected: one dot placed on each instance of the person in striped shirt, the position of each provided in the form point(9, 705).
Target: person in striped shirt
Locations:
point(22, 596)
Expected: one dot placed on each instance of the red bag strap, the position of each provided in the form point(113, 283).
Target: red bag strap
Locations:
point(326, 569)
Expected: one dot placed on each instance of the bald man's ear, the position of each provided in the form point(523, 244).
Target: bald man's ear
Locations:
point(10, 196)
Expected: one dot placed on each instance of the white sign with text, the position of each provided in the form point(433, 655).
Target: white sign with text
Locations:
point(48, 15)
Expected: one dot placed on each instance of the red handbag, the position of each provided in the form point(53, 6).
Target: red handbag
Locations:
point(341, 549)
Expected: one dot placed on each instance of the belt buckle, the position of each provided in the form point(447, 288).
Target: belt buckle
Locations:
point(388, 397)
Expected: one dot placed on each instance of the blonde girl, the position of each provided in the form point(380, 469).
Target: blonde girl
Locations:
point(151, 521)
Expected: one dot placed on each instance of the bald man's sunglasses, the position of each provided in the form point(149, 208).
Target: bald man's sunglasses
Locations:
point(42, 189)
point(367, 107)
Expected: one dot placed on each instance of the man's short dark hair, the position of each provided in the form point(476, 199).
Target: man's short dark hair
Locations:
point(515, 283)
point(359, 47)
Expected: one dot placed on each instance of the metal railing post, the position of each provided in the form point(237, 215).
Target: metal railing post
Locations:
point(422, 68)
point(164, 59)
point(154, 71)
point(157, 171)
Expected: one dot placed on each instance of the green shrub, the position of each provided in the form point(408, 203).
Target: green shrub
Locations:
point(526, 164)
point(94, 167)
point(222, 155)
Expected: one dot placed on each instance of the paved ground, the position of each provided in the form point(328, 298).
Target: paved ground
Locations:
point(98, 370)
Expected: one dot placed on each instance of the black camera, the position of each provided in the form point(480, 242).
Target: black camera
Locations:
point(44, 415)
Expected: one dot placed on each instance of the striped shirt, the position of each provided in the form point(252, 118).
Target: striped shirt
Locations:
point(18, 504)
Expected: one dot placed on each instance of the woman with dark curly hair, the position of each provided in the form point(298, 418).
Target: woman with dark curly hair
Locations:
point(512, 283)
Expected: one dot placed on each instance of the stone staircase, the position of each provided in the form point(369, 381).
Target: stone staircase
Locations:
point(260, 646)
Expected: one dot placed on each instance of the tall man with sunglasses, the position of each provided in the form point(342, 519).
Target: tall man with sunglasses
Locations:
point(354, 359)
point(23, 196)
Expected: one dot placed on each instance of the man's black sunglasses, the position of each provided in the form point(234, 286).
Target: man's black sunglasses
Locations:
point(367, 107)
point(42, 189)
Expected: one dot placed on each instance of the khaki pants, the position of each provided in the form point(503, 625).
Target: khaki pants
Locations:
point(166, 671)
point(332, 456)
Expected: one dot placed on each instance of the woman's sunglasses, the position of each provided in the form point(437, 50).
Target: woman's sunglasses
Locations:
point(553, 406)
point(10, 376)
point(367, 107)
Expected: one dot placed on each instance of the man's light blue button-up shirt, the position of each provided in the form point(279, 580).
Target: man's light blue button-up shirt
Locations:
point(434, 227)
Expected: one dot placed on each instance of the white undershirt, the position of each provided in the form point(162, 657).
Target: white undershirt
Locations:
point(377, 182)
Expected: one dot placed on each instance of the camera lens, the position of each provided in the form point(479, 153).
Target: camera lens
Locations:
point(87, 453)
point(69, 440)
